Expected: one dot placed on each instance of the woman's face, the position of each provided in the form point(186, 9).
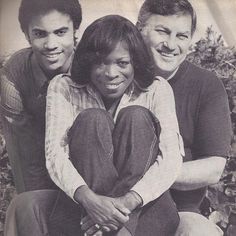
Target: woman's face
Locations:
point(113, 75)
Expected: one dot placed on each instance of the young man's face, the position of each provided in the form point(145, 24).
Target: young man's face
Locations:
point(169, 38)
point(51, 36)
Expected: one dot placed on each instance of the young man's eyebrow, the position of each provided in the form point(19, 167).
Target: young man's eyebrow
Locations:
point(62, 28)
point(38, 29)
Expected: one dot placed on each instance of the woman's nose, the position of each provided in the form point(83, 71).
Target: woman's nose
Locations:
point(111, 72)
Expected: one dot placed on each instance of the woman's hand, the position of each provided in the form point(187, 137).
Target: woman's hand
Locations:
point(126, 204)
point(104, 211)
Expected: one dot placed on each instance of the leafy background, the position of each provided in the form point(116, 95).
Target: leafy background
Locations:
point(211, 53)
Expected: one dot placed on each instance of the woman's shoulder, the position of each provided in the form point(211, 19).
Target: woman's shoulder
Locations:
point(161, 85)
point(60, 84)
point(61, 80)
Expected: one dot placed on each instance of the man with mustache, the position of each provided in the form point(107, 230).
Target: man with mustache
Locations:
point(201, 103)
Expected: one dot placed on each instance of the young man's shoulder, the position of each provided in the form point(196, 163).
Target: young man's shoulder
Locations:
point(18, 62)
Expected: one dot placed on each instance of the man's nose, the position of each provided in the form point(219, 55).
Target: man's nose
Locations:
point(111, 71)
point(170, 43)
point(50, 42)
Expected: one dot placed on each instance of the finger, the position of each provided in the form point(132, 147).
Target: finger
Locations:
point(92, 230)
point(105, 229)
point(111, 227)
point(85, 219)
point(120, 217)
point(125, 211)
point(98, 233)
point(88, 224)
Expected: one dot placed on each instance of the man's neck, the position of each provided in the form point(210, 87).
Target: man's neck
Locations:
point(64, 69)
point(166, 74)
point(172, 74)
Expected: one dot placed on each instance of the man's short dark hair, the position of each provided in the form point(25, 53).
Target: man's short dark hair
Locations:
point(166, 8)
point(31, 8)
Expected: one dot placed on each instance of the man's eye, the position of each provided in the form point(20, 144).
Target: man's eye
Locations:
point(183, 36)
point(60, 32)
point(39, 34)
point(161, 31)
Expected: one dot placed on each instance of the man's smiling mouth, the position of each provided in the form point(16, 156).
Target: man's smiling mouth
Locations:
point(52, 55)
point(167, 54)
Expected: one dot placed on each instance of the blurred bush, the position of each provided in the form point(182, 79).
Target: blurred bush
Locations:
point(7, 190)
point(212, 54)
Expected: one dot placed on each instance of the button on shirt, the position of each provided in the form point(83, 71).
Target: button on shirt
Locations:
point(66, 99)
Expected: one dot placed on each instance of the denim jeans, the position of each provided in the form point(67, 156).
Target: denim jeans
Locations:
point(112, 157)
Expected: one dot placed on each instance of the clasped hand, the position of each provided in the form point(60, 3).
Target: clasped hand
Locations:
point(109, 213)
point(105, 213)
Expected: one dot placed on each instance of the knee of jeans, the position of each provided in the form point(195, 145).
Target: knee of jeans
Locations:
point(91, 114)
point(137, 113)
point(139, 116)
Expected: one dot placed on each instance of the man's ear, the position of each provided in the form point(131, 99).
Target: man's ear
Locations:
point(27, 38)
point(76, 33)
point(139, 26)
point(143, 31)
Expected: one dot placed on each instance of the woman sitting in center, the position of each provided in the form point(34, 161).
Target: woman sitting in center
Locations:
point(112, 137)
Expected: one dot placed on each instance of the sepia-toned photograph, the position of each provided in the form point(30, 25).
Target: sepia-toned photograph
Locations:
point(117, 118)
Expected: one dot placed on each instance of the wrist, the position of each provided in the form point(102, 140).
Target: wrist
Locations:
point(133, 200)
point(81, 194)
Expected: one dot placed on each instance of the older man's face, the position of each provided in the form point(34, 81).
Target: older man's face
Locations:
point(169, 38)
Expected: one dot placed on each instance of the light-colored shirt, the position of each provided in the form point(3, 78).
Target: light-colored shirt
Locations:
point(65, 101)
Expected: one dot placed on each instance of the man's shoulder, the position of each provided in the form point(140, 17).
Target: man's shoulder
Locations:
point(19, 56)
point(18, 61)
point(198, 73)
point(198, 77)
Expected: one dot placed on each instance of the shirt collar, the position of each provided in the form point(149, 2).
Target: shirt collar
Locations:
point(40, 77)
point(172, 74)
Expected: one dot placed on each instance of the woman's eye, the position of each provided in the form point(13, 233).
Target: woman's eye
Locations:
point(123, 63)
